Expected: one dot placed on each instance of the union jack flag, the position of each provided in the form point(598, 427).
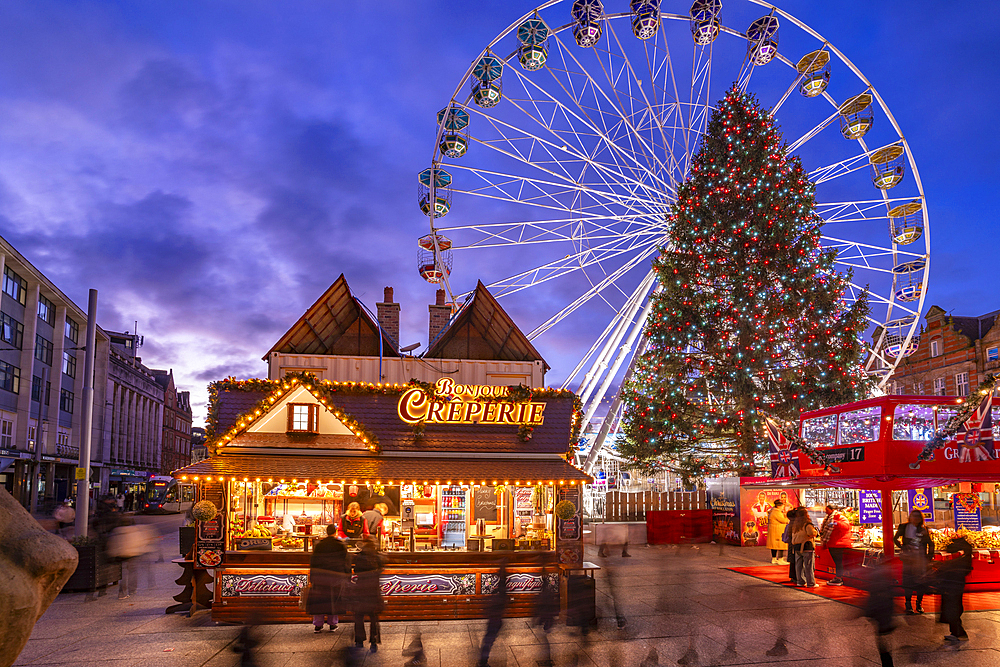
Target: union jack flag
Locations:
point(975, 435)
point(784, 455)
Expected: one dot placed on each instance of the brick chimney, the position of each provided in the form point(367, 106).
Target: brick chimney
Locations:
point(440, 313)
point(388, 315)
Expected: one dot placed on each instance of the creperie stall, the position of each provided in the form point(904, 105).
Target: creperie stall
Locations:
point(465, 477)
point(873, 446)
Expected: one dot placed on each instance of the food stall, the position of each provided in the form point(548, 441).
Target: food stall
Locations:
point(871, 445)
point(467, 477)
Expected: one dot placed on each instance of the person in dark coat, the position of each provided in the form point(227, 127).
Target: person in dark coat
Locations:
point(879, 583)
point(950, 581)
point(329, 569)
point(915, 551)
point(547, 611)
point(366, 594)
point(495, 608)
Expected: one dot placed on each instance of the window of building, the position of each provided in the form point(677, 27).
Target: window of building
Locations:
point(303, 418)
point(962, 384)
point(897, 388)
point(72, 330)
point(11, 331)
point(66, 401)
point(918, 388)
point(31, 437)
point(935, 348)
point(6, 434)
point(993, 354)
point(15, 286)
point(36, 389)
point(62, 439)
point(939, 387)
point(69, 364)
point(10, 377)
point(43, 349)
point(46, 311)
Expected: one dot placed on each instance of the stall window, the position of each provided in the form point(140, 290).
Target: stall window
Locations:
point(860, 425)
point(943, 415)
point(820, 431)
point(303, 418)
point(913, 422)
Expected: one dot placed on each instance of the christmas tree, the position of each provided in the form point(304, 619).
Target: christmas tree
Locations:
point(749, 317)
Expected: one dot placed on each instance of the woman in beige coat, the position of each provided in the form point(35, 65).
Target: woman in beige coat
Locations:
point(776, 521)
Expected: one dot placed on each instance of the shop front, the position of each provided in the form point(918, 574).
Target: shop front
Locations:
point(874, 475)
point(462, 489)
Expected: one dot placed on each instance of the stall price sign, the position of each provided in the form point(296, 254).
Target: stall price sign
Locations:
point(968, 512)
point(922, 500)
point(871, 506)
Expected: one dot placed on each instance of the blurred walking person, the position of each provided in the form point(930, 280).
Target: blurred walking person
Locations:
point(776, 521)
point(329, 568)
point(65, 516)
point(804, 535)
point(495, 608)
point(366, 596)
point(835, 535)
point(879, 607)
point(915, 551)
point(950, 581)
point(546, 612)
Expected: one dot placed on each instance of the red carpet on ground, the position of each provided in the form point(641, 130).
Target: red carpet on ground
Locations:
point(778, 574)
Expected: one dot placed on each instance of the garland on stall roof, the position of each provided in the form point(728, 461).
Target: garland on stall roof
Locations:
point(816, 456)
point(950, 428)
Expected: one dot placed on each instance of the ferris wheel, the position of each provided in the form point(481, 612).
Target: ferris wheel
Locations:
point(559, 155)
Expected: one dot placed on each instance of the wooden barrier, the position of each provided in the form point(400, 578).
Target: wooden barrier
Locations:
point(626, 506)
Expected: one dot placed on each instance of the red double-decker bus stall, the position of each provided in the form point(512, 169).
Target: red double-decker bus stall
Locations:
point(873, 443)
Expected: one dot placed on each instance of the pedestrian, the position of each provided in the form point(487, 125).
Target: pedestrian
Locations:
point(776, 521)
point(835, 535)
point(352, 523)
point(546, 612)
point(950, 581)
point(915, 551)
point(130, 501)
point(366, 595)
point(329, 568)
point(64, 515)
point(879, 583)
point(786, 537)
point(804, 539)
point(373, 521)
point(496, 605)
point(120, 501)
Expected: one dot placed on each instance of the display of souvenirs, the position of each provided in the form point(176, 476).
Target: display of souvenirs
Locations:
point(327, 491)
point(988, 538)
point(278, 490)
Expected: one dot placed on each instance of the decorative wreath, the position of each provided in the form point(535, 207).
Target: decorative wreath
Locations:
point(970, 502)
point(565, 510)
point(204, 510)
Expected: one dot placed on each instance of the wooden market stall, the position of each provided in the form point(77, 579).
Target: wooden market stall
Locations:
point(466, 476)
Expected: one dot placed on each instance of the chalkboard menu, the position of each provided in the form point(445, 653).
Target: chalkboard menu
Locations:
point(485, 503)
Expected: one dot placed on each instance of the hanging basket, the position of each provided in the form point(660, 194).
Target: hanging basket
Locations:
point(204, 510)
point(565, 510)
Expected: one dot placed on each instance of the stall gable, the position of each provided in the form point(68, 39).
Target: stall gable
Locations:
point(275, 420)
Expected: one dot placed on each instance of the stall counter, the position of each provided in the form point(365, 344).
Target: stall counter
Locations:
point(263, 587)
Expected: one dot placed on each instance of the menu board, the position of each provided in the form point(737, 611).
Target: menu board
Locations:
point(569, 529)
point(485, 503)
point(968, 514)
point(209, 538)
point(871, 506)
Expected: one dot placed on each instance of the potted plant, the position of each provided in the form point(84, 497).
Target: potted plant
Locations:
point(93, 570)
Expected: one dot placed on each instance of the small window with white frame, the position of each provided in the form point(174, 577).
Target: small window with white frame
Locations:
point(962, 384)
point(939, 387)
point(303, 418)
point(936, 347)
point(6, 434)
point(993, 353)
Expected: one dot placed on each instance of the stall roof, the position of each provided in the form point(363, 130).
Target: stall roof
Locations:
point(371, 468)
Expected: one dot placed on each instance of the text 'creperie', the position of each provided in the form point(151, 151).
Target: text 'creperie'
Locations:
point(467, 404)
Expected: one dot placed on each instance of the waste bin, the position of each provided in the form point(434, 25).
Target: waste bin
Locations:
point(581, 600)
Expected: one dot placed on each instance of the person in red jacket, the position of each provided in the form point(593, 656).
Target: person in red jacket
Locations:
point(835, 534)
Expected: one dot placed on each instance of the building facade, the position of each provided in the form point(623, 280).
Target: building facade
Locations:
point(176, 424)
point(953, 356)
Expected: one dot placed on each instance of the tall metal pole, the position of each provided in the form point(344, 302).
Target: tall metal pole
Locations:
point(37, 453)
point(83, 485)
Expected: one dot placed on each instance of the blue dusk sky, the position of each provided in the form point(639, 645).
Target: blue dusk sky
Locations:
point(211, 167)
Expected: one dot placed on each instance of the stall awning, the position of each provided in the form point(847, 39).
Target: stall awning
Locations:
point(370, 469)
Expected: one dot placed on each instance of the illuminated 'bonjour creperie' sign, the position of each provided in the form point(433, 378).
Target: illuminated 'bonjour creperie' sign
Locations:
point(467, 404)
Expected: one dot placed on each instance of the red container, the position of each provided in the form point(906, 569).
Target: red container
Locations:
point(678, 526)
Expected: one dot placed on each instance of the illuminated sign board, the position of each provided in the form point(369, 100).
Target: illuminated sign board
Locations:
point(467, 404)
